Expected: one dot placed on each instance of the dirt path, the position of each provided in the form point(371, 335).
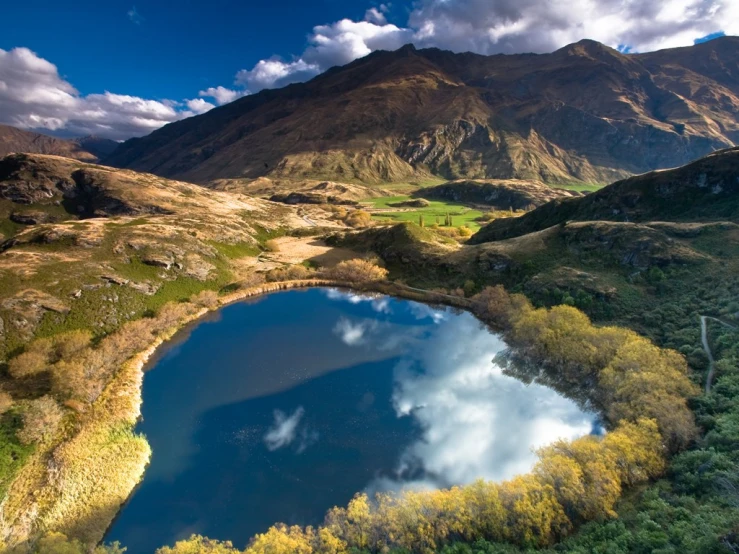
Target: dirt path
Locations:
point(707, 348)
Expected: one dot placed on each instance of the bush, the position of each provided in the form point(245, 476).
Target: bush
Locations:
point(272, 245)
point(6, 402)
point(40, 420)
point(199, 545)
point(357, 271)
point(32, 361)
point(206, 299)
point(68, 345)
point(358, 218)
point(27, 364)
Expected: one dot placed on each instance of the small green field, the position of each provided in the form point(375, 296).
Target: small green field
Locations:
point(579, 187)
point(437, 210)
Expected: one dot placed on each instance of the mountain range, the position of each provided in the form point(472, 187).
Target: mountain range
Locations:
point(88, 149)
point(584, 113)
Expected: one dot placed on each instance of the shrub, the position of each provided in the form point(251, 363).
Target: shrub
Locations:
point(27, 364)
point(68, 345)
point(41, 420)
point(358, 218)
point(272, 245)
point(206, 299)
point(199, 545)
point(357, 271)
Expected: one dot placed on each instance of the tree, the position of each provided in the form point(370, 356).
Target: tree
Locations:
point(357, 271)
point(535, 517)
point(197, 544)
point(281, 539)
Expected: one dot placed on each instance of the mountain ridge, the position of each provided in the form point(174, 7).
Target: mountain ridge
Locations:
point(88, 149)
point(584, 113)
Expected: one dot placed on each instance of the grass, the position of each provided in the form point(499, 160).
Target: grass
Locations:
point(461, 215)
point(13, 454)
point(580, 187)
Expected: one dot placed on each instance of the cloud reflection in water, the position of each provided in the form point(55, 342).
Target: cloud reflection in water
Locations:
point(476, 422)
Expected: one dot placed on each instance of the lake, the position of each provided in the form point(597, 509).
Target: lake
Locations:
point(279, 408)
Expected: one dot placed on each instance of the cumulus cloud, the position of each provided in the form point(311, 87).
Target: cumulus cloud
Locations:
point(534, 26)
point(34, 96)
point(222, 95)
point(476, 422)
point(334, 44)
point(283, 430)
point(503, 26)
point(198, 105)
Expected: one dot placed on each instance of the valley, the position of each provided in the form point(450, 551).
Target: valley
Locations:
point(492, 300)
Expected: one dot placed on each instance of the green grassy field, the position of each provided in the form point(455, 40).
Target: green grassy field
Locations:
point(461, 215)
point(580, 187)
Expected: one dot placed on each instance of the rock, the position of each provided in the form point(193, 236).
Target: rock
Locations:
point(31, 218)
point(158, 261)
point(144, 288)
point(115, 279)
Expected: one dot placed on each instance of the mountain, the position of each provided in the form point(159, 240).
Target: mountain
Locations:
point(705, 190)
point(583, 113)
point(88, 149)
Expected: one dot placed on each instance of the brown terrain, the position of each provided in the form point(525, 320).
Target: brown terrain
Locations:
point(88, 149)
point(585, 113)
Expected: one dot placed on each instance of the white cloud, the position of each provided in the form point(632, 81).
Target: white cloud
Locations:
point(505, 26)
point(34, 95)
point(533, 26)
point(198, 105)
point(335, 44)
point(222, 95)
point(275, 73)
point(283, 431)
point(374, 15)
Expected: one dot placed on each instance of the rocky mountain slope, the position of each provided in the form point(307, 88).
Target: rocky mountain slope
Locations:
point(705, 190)
point(583, 113)
point(89, 149)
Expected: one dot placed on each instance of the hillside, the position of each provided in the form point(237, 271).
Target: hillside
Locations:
point(583, 113)
point(705, 190)
point(89, 149)
point(511, 194)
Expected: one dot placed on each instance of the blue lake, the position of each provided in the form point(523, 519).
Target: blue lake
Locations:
point(280, 408)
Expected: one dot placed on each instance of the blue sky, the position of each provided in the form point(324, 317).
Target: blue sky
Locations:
point(170, 52)
point(119, 68)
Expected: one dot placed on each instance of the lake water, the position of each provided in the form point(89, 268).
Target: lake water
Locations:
point(280, 408)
